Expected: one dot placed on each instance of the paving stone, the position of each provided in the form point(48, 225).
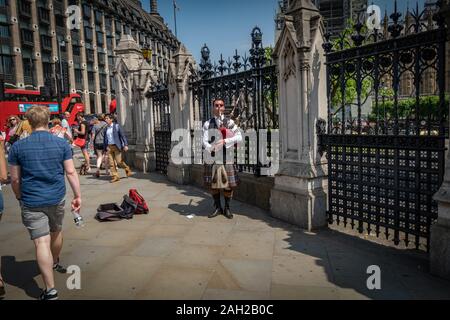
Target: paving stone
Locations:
point(285, 292)
point(250, 275)
point(246, 245)
point(176, 283)
point(301, 270)
point(122, 278)
point(195, 256)
point(208, 234)
point(155, 247)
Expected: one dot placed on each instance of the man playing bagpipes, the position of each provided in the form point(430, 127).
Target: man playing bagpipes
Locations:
point(222, 174)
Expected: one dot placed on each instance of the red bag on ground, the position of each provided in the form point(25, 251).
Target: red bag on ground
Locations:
point(142, 207)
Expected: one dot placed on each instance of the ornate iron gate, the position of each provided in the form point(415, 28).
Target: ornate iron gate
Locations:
point(387, 125)
point(248, 85)
point(161, 126)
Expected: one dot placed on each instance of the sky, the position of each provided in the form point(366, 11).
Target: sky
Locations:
point(225, 25)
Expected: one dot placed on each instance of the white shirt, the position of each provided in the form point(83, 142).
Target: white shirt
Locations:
point(65, 124)
point(110, 135)
point(229, 142)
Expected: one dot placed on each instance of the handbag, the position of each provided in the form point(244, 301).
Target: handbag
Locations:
point(13, 139)
point(79, 142)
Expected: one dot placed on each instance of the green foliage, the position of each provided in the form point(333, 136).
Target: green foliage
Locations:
point(268, 52)
point(351, 92)
point(428, 106)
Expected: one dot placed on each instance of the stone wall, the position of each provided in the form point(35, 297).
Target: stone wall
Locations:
point(252, 190)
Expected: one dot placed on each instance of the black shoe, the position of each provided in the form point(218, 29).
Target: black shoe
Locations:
point(59, 268)
point(227, 213)
point(218, 207)
point(216, 213)
point(51, 294)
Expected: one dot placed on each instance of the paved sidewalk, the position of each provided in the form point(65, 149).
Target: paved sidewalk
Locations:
point(166, 255)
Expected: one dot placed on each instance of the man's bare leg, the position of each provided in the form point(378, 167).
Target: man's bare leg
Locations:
point(56, 245)
point(44, 259)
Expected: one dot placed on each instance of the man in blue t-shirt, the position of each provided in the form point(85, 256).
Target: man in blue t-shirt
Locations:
point(37, 166)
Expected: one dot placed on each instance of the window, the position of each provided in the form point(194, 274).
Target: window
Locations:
point(79, 78)
point(6, 65)
point(101, 59)
point(27, 36)
point(86, 11)
point(90, 55)
point(118, 27)
point(46, 42)
point(28, 72)
point(108, 23)
point(59, 20)
point(25, 7)
point(111, 62)
point(109, 43)
point(48, 71)
point(98, 17)
point(88, 34)
point(103, 81)
point(76, 50)
point(3, 3)
point(44, 15)
point(4, 31)
point(100, 40)
point(113, 84)
point(4, 18)
point(91, 81)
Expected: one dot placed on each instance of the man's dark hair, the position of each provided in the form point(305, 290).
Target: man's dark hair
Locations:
point(81, 114)
point(218, 99)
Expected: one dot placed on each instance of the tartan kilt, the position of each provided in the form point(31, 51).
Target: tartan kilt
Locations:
point(232, 175)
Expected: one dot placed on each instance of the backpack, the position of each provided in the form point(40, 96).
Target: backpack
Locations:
point(141, 205)
point(99, 135)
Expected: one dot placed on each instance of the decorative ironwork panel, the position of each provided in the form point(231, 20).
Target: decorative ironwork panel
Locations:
point(163, 144)
point(160, 108)
point(387, 126)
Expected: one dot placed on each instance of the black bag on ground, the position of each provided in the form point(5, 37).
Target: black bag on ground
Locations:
point(109, 212)
point(113, 212)
point(128, 207)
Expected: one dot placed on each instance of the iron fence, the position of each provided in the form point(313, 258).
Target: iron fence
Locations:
point(386, 163)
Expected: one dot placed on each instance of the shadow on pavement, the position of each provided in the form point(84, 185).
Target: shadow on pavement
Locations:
point(21, 274)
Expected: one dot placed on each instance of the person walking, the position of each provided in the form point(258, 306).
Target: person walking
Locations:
point(37, 166)
point(65, 123)
point(83, 135)
point(115, 143)
point(59, 131)
point(24, 129)
point(223, 174)
point(3, 179)
point(98, 138)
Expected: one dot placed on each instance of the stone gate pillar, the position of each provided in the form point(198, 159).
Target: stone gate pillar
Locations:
point(299, 194)
point(134, 77)
point(440, 231)
point(180, 96)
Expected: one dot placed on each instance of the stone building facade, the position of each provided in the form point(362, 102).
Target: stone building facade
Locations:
point(33, 33)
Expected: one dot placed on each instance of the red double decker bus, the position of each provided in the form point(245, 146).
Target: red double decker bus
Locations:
point(18, 101)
